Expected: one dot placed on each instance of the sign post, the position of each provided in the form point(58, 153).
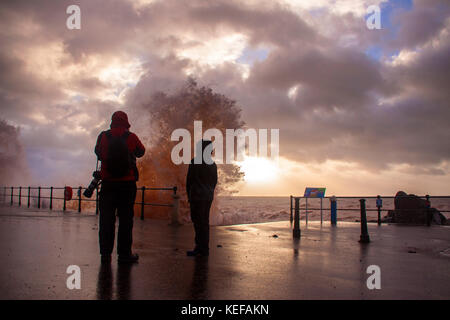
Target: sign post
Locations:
point(314, 193)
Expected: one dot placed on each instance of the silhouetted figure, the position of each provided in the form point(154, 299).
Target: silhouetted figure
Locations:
point(118, 149)
point(200, 184)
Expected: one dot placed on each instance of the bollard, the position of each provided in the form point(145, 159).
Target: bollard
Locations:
point(291, 218)
point(39, 197)
point(333, 208)
point(428, 215)
point(379, 205)
point(29, 190)
point(12, 195)
point(296, 232)
point(51, 198)
point(4, 194)
point(142, 203)
point(79, 199)
point(364, 233)
point(175, 210)
point(20, 196)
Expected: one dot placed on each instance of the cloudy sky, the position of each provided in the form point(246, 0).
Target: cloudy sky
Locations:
point(359, 111)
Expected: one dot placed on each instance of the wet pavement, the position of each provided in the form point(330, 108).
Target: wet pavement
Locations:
point(255, 261)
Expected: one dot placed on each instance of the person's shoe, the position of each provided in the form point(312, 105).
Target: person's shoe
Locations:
point(191, 253)
point(197, 253)
point(106, 258)
point(132, 258)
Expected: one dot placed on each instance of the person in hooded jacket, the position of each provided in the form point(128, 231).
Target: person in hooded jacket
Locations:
point(118, 190)
point(201, 181)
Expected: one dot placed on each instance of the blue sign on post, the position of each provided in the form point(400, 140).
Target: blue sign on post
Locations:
point(315, 192)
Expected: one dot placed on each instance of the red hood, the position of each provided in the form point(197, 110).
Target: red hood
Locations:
point(119, 119)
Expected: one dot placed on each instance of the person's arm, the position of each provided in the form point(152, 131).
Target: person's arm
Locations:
point(139, 151)
point(97, 149)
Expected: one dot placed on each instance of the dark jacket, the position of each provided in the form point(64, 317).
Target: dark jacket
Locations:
point(119, 125)
point(201, 181)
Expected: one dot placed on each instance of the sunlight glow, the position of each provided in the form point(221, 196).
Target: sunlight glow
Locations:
point(258, 169)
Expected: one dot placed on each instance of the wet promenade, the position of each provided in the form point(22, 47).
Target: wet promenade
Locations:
point(255, 261)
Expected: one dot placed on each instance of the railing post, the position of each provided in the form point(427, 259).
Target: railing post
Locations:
point(175, 208)
point(79, 199)
point(12, 195)
point(296, 232)
point(142, 203)
point(333, 208)
point(20, 196)
point(291, 218)
point(4, 194)
point(51, 198)
point(96, 201)
point(321, 213)
point(364, 233)
point(39, 197)
point(28, 201)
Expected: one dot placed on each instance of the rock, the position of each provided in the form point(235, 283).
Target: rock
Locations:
point(411, 209)
point(437, 217)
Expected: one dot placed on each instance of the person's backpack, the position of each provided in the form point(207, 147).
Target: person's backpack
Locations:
point(118, 160)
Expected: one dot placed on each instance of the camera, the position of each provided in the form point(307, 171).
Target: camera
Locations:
point(93, 185)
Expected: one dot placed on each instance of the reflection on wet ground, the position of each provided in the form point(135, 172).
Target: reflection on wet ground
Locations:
point(326, 262)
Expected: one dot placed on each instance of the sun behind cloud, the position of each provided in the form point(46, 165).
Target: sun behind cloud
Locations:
point(259, 169)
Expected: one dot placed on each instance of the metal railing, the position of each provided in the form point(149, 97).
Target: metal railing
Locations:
point(295, 209)
point(30, 193)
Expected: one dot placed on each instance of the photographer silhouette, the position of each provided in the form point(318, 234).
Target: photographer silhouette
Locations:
point(117, 149)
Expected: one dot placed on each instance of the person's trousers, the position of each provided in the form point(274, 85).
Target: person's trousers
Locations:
point(116, 197)
point(200, 219)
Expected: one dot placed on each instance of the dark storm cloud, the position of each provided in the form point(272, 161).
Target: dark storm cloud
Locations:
point(330, 78)
point(428, 72)
point(348, 106)
point(417, 26)
point(278, 26)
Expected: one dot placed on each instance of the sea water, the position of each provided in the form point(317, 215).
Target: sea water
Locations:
point(240, 209)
